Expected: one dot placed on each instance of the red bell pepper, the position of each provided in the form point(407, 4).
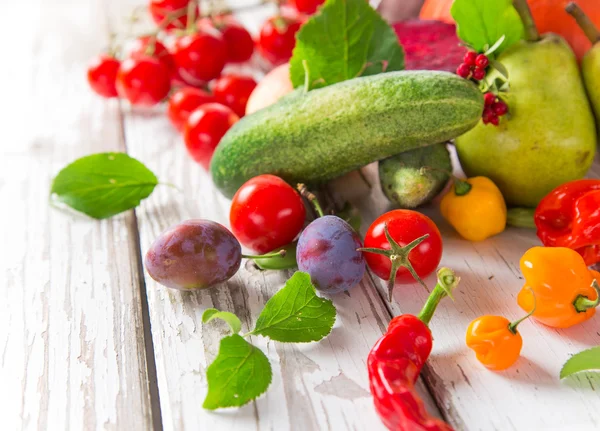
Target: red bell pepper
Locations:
point(396, 360)
point(569, 216)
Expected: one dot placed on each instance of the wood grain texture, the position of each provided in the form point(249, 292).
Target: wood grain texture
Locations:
point(72, 353)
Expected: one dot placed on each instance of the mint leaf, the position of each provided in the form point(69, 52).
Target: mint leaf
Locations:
point(346, 39)
point(231, 319)
point(583, 361)
point(239, 373)
point(296, 314)
point(481, 23)
point(102, 185)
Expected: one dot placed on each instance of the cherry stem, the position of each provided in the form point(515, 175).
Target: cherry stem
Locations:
point(398, 256)
point(278, 253)
point(447, 280)
point(461, 187)
point(531, 32)
point(521, 217)
point(311, 198)
point(191, 16)
point(584, 22)
point(583, 303)
point(512, 327)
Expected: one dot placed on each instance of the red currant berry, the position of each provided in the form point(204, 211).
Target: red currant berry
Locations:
point(278, 38)
point(469, 58)
point(478, 73)
point(464, 71)
point(307, 6)
point(500, 108)
point(159, 9)
point(143, 80)
point(487, 114)
point(240, 45)
point(233, 91)
point(149, 45)
point(489, 99)
point(204, 129)
point(183, 102)
point(199, 57)
point(102, 75)
point(495, 120)
point(482, 61)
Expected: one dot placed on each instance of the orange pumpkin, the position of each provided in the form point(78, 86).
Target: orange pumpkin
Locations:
point(549, 16)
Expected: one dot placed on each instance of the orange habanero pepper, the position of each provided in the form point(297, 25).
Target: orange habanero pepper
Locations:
point(566, 290)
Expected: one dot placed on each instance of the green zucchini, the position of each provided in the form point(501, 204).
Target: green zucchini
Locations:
point(316, 136)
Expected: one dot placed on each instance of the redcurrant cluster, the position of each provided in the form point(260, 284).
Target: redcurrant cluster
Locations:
point(473, 66)
point(494, 109)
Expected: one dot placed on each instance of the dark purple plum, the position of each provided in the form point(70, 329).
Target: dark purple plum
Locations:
point(327, 251)
point(194, 254)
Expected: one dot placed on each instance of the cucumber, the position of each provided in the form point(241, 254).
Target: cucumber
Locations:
point(404, 184)
point(316, 136)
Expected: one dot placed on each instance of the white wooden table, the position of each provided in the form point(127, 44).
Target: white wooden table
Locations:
point(87, 341)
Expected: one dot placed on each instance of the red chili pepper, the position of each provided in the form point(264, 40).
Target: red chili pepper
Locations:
point(396, 360)
point(569, 216)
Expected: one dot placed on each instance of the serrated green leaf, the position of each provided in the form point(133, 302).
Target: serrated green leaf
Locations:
point(103, 185)
point(296, 314)
point(481, 23)
point(346, 39)
point(239, 373)
point(231, 319)
point(583, 361)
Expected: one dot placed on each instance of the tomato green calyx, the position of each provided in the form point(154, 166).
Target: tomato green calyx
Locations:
point(531, 32)
point(461, 187)
point(398, 256)
point(512, 327)
point(447, 281)
point(311, 198)
point(583, 303)
point(584, 21)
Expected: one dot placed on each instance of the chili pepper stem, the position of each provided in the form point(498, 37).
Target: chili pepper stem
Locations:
point(278, 253)
point(584, 22)
point(512, 326)
point(531, 32)
point(447, 280)
point(521, 217)
point(461, 187)
point(583, 303)
point(311, 198)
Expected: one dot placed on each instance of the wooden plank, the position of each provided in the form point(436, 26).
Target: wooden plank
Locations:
point(527, 396)
point(72, 353)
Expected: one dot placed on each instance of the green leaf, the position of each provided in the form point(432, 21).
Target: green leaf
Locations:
point(239, 373)
point(481, 23)
point(102, 185)
point(296, 314)
point(583, 361)
point(346, 39)
point(231, 319)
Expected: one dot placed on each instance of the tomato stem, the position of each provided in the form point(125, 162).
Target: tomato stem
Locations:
point(512, 327)
point(531, 32)
point(583, 303)
point(447, 280)
point(584, 22)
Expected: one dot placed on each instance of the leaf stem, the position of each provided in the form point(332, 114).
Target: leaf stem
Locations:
point(584, 21)
point(531, 32)
point(447, 282)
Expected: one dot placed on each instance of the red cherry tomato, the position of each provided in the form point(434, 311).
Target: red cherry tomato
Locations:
point(143, 80)
point(149, 45)
point(306, 6)
point(234, 91)
point(160, 8)
point(240, 44)
point(102, 75)
point(204, 129)
point(404, 226)
point(199, 57)
point(183, 102)
point(266, 213)
point(278, 38)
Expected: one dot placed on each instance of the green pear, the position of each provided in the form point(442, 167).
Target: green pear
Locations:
point(590, 65)
point(549, 135)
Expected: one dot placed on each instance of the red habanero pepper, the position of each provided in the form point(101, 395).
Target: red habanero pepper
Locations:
point(569, 216)
point(396, 360)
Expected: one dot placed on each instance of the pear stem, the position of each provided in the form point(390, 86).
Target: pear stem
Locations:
point(584, 22)
point(531, 32)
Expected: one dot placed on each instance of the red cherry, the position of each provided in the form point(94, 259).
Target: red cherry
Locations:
point(204, 129)
point(233, 91)
point(489, 99)
point(160, 8)
point(278, 38)
point(102, 75)
point(500, 108)
point(464, 71)
point(478, 73)
point(240, 45)
point(482, 61)
point(143, 80)
point(306, 6)
point(199, 57)
point(495, 120)
point(470, 57)
point(183, 102)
